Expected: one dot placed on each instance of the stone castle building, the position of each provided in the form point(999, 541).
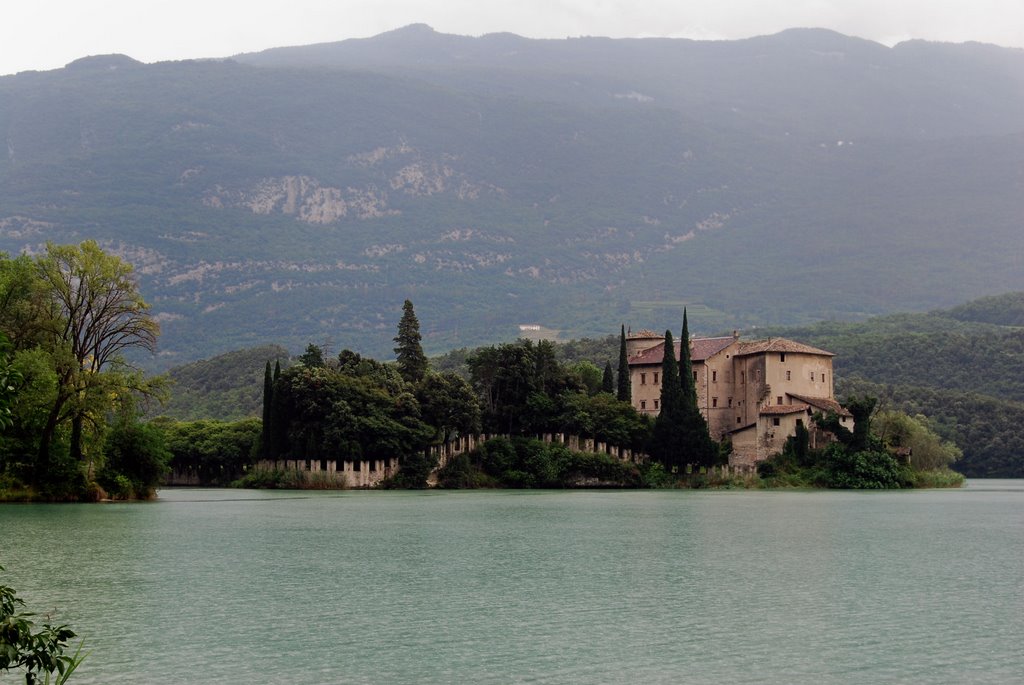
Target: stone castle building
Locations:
point(755, 393)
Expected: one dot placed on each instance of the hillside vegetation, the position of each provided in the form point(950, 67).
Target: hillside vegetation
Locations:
point(301, 193)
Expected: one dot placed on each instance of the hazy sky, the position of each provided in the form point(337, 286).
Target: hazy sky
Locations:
point(46, 34)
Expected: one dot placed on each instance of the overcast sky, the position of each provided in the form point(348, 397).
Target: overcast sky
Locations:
point(46, 34)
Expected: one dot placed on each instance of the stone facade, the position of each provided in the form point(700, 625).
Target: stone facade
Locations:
point(754, 393)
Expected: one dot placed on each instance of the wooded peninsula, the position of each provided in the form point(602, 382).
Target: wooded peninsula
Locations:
point(82, 422)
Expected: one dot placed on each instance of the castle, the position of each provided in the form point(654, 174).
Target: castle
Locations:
point(754, 393)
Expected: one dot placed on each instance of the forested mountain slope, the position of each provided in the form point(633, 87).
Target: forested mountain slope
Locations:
point(302, 194)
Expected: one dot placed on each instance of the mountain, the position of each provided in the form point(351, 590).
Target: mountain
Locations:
point(301, 194)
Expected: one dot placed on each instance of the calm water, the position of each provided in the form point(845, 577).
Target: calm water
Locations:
point(550, 587)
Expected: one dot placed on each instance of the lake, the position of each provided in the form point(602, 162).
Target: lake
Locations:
point(241, 586)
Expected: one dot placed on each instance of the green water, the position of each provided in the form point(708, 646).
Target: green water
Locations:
point(548, 587)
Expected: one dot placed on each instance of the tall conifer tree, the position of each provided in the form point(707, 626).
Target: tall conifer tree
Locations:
point(686, 365)
point(667, 439)
point(625, 392)
point(608, 379)
point(696, 442)
point(268, 395)
point(412, 363)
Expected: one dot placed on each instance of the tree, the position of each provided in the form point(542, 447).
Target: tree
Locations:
point(666, 439)
point(447, 403)
point(913, 434)
point(136, 459)
point(412, 363)
point(10, 378)
point(268, 397)
point(22, 648)
point(589, 376)
point(625, 392)
point(696, 441)
point(95, 313)
point(608, 379)
point(313, 357)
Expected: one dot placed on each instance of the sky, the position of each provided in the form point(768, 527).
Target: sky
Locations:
point(47, 34)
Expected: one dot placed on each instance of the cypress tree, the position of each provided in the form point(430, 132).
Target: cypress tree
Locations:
point(608, 379)
point(412, 363)
point(696, 442)
point(625, 392)
point(666, 438)
point(686, 366)
point(268, 395)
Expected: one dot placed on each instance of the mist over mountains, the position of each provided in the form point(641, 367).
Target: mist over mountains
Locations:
point(301, 194)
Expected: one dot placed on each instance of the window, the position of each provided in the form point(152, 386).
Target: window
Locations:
point(714, 401)
point(643, 404)
point(730, 401)
point(823, 377)
point(782, 356)
point(737, 419)
point(789, 375)
point(643, 379)
point(812, 376)
point(743, 376)
point(714, 376)
point(775, 421)
point(656, 403)
point(655, 377)
point(778, 400)
point(694, 376)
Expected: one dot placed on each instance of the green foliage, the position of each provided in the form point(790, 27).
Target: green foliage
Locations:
point(290, 479)
point(137, 458)
point(912, 434)
point(225, 387)
point(529, 463)
point(447, 403)
point(319, 411)
point(958, 367)
point(623, 390)
point(313, 357)
point(459, 474)
point(412, 363)
point(32, 652)
point(72, 315)
point(869, 457)
point(216, 452)
point(863, 470)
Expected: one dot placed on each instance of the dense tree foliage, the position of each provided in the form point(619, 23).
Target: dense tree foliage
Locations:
point(524, 390)
point(215, 452)
point(623, 390)
point(226, 387)
point(884, 450)
point(72, 314)
point(527, 463)
point(697, 443)
point(412, 363)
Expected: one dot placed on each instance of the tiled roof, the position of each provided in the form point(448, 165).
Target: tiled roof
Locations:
point(823, 403)
point(700, 349)
point(778, 345)
point(778, 409)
